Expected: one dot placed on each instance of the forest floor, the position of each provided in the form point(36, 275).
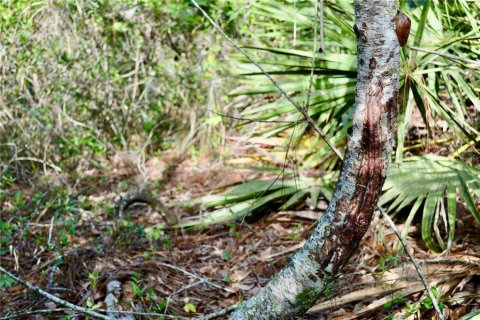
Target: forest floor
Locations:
point(74, 247)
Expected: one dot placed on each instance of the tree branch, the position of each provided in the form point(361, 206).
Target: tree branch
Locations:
point(53, 298)
point(337, 152)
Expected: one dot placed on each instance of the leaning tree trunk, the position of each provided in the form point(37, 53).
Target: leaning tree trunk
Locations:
point(311, 271)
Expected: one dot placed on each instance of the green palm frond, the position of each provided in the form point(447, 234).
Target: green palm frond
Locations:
point(237, 203)
point(436, 82)
point(333, 85)
point(445, 74)
point(432, 181)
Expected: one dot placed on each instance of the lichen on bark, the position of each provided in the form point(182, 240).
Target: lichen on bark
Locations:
point(311, 271)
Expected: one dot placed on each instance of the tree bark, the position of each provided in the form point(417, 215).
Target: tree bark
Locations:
point(311, 272)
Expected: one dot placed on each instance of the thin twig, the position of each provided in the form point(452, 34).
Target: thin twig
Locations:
point(274, 82)
point(50, 230)
point(51, 280)
point(54, 167)
point(53, 298)
point(218, 313)
point(248, 120)
point(191, 285)
point(212, 315)
point(29, 312)
point(422, 277)
point(335, 150)
point(314, 52)
point(192, 275)
point(446, 55)
point(452, 261)
point(294, 23)
point(322, 30)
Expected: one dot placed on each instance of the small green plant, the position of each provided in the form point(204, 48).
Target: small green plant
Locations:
point(160, 307)
point(6, 281)
point(411, 308)
point(64, 203)
point(227, 255)
point(39, 239)
point(135, 283)
point(136, 289)
point(91, 305)
point(397, 299)
point(62, 237)
point(233, 230)
point(19, 201)
point(296, 234)
point(157, 233)
point(6, 232)
point(93, 278)
point(189, 307)
point(37, 200)
point(126, 224)
point(70, 225)
point(391, 317)
point(154, 232)
point(44, 273)
point(151, 294)
point(327, 292)
point(126, 231)
point(6, 180)
point(427, 301)
point(385, 264)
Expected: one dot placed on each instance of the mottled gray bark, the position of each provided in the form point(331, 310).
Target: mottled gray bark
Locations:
point(311, 272)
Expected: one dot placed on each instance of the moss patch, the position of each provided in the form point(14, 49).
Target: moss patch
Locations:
point(306, 298)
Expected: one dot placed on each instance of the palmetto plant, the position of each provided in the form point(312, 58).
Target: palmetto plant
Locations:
point(440, 79)
point(434, 183)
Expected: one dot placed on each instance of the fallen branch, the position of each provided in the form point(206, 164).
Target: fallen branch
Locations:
point(53, 298)
point(212, 315)
point(70, 306)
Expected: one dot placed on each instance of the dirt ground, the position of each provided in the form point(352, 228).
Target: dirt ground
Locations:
point(192, 272)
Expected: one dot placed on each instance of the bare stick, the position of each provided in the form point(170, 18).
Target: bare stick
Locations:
point(54, 167)
point(446, 55)
point(314, 52)
point(218, 313)
point(29, 312)
point(212, 315)
point(322, 30)
point(50, 230)
point(392, 225)
point(452, 261)
point(294, 23)
point(53, 298)
point(248, 120)
point(192, 275)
